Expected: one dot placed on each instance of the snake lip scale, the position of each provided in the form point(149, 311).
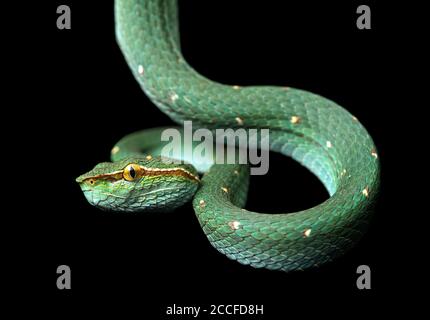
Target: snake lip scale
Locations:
point(313, 130)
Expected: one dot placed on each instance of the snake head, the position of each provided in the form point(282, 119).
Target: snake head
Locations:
point(139, 184)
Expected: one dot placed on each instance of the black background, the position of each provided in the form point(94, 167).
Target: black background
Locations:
point(84, 101)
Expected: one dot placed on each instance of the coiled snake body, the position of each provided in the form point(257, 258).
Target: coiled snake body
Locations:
point(313, 130)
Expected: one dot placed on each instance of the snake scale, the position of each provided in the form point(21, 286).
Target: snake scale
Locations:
point(316, 132)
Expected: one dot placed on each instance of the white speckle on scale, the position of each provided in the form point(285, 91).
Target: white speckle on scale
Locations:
point(328, 144)
point(374, 154)
point(239, 121)
point(202, 203)
point(224, 189)
point(236, 87)
point(295, 119)
point(174, 97)
point(234, 225)
point(115, 150)
point(307, 233)
point(140, 69)
point(365, 192)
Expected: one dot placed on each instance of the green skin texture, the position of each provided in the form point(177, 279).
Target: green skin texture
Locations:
point(347, 165)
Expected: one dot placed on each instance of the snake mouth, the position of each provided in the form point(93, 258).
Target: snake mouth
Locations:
point(95, 198)
point(112, 195)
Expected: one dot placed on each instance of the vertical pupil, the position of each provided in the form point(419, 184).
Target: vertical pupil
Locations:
point(132, 172)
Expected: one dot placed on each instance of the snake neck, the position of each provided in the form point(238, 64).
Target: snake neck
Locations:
point(151, 47)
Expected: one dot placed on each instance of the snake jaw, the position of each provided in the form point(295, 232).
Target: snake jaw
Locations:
point(146, 195)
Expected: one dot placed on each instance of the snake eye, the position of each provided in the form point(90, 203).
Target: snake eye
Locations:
point(131, 172)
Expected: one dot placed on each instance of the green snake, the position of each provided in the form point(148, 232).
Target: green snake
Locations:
point(315, 131)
